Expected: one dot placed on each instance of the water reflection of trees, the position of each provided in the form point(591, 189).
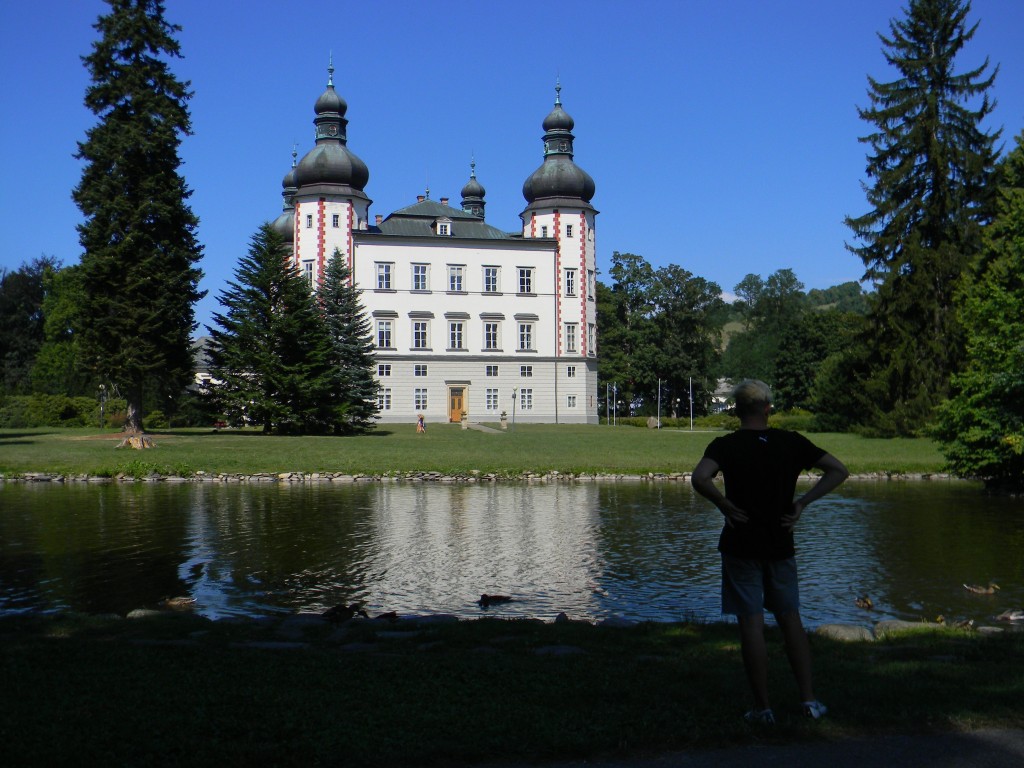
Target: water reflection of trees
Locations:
point(645, 550)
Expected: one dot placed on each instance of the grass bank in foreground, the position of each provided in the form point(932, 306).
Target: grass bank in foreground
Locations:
point(178, 690)
point(397, 448)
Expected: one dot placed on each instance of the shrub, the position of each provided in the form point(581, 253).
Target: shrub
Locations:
point(155, 420)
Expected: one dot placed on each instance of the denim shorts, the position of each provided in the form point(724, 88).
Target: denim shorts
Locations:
point(751, 586)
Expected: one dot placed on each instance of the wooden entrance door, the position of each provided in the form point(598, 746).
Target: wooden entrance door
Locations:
point(456, 403)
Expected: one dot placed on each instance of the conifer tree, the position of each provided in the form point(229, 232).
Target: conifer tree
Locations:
point(140, 250)
point(982, 425)
point(930, 163)
point(270, 357)
point(348, 328)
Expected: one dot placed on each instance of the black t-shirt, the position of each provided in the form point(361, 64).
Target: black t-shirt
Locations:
point(761, 467)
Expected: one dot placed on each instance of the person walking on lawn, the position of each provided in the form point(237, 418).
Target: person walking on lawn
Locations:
point(761, 466)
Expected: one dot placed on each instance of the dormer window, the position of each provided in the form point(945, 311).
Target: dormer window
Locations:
point(443, 227)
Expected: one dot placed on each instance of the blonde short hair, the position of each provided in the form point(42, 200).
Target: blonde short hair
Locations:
point(751, 396)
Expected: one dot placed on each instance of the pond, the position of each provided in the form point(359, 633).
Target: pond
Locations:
point(637, 550)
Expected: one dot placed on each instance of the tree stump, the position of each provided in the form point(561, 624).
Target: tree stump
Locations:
point(137, 440)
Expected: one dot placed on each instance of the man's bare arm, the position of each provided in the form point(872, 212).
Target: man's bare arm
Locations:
point(702, 480)
point(833, 475)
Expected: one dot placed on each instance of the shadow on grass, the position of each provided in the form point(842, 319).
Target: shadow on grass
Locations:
point(228, 432)
point(19, 438)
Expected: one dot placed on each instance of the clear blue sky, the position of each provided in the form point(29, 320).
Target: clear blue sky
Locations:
point(722, 136)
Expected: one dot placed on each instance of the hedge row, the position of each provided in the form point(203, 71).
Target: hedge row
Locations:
point(22, 411)
point(801, 421)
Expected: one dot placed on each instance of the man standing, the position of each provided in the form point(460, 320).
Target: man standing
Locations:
point(761, 466)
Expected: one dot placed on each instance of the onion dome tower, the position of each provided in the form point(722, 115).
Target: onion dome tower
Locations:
point(329, 180)
point(559, 181)
point(473, 194)
point(558, 196)
point(284, 224)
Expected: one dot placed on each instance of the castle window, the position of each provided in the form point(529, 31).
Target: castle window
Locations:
point(455, 335)
point(571, 335)
point(335, 221)
point(526, 279)
point(525, 337)
point(570, 282)
point(384, 329)
point(526, 399)
point(490, 279)
point(420, 336)
point(420, 277)
point(568, 230)
point(384, 275)
point(491, 340)
point(456, 273)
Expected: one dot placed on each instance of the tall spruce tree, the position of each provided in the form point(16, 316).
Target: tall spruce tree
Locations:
point(270, 357)
point(139, 268)
point(355, 390)
point(930, 163)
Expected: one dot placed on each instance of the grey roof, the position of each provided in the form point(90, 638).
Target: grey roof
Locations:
point(418, 221)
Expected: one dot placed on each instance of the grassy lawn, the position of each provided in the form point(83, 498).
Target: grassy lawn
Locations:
point(181, 691)
point(397, 449)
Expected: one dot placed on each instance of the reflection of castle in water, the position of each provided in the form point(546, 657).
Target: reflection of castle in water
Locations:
point(439, 548)
point(648, 550)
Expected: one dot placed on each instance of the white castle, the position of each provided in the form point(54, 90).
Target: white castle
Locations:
point(467, 319)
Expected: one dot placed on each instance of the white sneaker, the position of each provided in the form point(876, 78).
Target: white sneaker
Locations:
point(760, 716)
point(814, 709)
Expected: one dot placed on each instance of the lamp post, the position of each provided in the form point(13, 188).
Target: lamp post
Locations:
point(103, 404)
point(515, 391)
point(691, 403)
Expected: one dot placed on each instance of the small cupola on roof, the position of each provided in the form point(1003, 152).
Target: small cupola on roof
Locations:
point(285, 223)
point(473, 194)
point(331, 167)
point(559, 181)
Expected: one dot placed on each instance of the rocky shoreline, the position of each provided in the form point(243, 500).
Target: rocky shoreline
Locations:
point(473, 476)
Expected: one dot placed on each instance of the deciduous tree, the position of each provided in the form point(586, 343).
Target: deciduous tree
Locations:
point(982, 426)
point(687, 311)
point(768, 307)
point(626, 332)
point(58, 368)
point(21, 321)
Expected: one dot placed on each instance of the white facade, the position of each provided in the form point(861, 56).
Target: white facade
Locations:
point(466, 319)
point(477, 326)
